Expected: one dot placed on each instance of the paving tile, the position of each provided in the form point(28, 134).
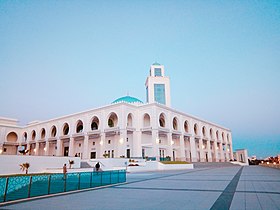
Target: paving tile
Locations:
point(245, 201)
point(258, 188)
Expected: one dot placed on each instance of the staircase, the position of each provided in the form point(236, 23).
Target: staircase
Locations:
point(85, 165)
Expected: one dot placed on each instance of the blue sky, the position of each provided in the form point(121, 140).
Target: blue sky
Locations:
point(61, 57)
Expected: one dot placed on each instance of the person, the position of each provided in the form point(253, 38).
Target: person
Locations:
point(64, 171)
point(97, 166)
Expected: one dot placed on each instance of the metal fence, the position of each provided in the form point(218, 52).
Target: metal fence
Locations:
point(20, 187)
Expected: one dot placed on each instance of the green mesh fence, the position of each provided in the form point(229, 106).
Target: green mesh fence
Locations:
point(85, 180)
point(39, 185)
point(20, 187)
point(3, 184)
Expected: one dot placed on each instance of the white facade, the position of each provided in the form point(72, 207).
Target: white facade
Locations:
point(126, 128)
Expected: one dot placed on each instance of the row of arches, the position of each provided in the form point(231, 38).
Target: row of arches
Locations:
point(175, 126)
point(211, 133)
point(112, 121)
point(78, 128)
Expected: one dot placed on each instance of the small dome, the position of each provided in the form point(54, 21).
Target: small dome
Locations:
point(127, 99)
point(156, 64)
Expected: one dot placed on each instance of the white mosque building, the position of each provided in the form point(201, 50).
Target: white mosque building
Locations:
point(126, 128)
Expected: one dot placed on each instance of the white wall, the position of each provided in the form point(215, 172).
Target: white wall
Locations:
point(9, 164)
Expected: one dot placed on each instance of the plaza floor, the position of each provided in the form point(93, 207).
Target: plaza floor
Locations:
point(235, 187)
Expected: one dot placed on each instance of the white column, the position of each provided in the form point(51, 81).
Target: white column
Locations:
point(182, 149)
point(58, 147)
point(1, 149)
point(136, 147)
point(155, 144)
point(231, 151)
point(47, 151)
point(222, 156)
point(122, 144)
point(36, 148)
point(201, 152)
point(209, 151)
point(85, 149)
point(193, 149)
point(169, 151)
point(227, 152)
point(71, 147)
point(215, 151)
point(102, 144)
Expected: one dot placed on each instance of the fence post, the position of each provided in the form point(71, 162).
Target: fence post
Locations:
point(79, 183)
point(49, 184)
point(29, 187)
point(6, 189)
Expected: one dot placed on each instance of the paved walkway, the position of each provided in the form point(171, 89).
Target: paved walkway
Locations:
point(236, 188)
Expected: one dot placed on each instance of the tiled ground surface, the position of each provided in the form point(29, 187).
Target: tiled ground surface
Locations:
point(202, 188)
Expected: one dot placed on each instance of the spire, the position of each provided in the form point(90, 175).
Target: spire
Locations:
point(156, 64)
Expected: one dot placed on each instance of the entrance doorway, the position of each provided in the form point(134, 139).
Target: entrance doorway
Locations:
point(128, 153)
point(206, 155)
point(66, 151)
point(93, 155)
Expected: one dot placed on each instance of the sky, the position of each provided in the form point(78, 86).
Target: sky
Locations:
point(222, 57)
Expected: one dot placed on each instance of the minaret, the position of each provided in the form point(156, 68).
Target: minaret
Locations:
point(158, 86)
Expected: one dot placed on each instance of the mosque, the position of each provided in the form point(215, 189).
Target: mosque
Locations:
point(126, 128)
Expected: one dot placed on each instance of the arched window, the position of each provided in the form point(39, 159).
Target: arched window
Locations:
point(65, 129)
point(113, 120)
point(12, 137)
point(43, 133)
point(211, 133)
point(186, 126)
point(79, 127)
point(53, 131)
point(33, 135)
point(175, 123)
point(147, 120)
point(195, 128)
point(24, 137)
point(204, 131)
point(162, 120)
point(94, 124)
point(129, 120)
point(217, 135)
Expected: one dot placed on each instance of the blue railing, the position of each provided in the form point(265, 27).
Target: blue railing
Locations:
point(165, 159)
point(151, 158)
point(21, 187)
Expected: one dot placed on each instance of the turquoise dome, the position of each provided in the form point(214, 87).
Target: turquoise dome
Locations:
point(127, 99)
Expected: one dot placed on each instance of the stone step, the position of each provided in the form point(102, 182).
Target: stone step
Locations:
point(85, 165)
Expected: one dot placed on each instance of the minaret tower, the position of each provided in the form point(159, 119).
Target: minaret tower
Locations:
point(158, 86)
